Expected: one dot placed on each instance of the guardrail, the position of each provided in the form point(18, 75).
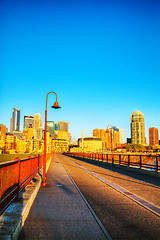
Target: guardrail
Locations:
point(147, 162)
point(15, 175)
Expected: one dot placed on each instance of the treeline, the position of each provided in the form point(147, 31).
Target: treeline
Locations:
point(131, 147)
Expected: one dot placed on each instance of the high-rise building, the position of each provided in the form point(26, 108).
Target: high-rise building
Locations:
point(38, 130)
point(37, 120)
point(15, 120)
point(137, 128)
point(63, 126)
point(30, 132)
point(153, 136)
point(117, 129)
point(3, 129)
point(107, 137)
point(63, 135)
point(51, 128)
point(56, 127)
point(28, 122)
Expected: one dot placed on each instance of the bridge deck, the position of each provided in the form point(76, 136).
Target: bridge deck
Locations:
point(91, 201)
point(59, 211)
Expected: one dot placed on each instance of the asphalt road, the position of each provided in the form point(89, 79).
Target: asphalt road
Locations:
point(122, 217)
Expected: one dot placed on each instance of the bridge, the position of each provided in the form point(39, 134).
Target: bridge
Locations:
point(86, 199)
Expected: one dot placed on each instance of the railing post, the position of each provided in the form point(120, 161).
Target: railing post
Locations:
point(18, 180)
point(107, 157)
point(157, 163)
point(112, 159)
point(102, 157)
point(128, 160)
point(119, 159)
point(140, 161)
point(38, 163)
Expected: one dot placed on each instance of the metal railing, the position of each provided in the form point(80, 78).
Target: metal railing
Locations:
point(147, 162)
point(15, 175)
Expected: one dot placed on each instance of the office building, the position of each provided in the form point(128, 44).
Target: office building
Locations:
point(30, 132)
point(18, 134)
point(63, 135)
point(56, 127)
point(63, 126)
point(117, 129)
point(90, 144)
point(137, 128)
point(15, 120)
point(37, 121)
point(28, 122)
point(129, 140)
point(38, 133)
point(3, 129)
point(51, 128)
point(153, 136)
point(108, 137)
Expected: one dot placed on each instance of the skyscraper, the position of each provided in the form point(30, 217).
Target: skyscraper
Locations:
point(107, 136)
point(153, 136)
point(15, 120)
point(38, 130)
point(28, 122)
point(51, 128)
point(117, 129)
point(63, 126)
point(137, 128)
point(37, 120)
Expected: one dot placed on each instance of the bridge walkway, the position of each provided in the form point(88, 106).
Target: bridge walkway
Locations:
point(60, 212)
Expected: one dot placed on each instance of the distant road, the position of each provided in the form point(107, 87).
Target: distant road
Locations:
point(128, 204)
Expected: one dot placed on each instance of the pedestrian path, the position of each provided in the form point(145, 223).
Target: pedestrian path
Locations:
point(59, 211)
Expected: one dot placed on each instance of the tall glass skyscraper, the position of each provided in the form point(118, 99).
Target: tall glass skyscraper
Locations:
point(28, 121)
point(137, 128)
point(15, 120)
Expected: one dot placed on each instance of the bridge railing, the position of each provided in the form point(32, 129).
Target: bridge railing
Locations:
point(15, 175)
point(147, 162)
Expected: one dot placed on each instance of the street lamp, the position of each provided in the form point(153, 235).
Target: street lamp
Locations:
point(110, 130)
point(56, 106)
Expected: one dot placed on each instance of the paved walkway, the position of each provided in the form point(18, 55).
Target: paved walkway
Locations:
point(59, 211)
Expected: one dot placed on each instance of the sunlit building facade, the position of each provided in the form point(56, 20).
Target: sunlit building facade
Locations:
point(63, 126)
point(153, 136)
point(28, 122)
point(37, 121)
point(90, 144)
point(108, 137)
point(51, 128)
point(137, 128)
point(15, 120)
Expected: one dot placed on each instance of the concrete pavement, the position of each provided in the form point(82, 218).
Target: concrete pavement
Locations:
point(59, 211)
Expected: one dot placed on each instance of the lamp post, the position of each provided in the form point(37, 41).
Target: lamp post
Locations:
point(111, 133)
point(56, 106)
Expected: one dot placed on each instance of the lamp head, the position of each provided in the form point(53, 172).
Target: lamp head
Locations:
point(56, 105)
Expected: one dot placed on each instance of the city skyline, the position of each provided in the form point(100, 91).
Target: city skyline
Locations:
point(137, 131)
point(101, 58)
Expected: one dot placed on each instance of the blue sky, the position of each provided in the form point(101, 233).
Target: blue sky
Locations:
point(102, 58)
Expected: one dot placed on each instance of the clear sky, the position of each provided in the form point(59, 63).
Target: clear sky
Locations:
point(102, 58)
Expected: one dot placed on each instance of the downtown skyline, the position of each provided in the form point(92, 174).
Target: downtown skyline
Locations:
point(30, 120)
point(101, 58)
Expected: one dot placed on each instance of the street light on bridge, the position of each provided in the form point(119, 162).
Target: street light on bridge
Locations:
point(110, 130)
point(56, 106)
